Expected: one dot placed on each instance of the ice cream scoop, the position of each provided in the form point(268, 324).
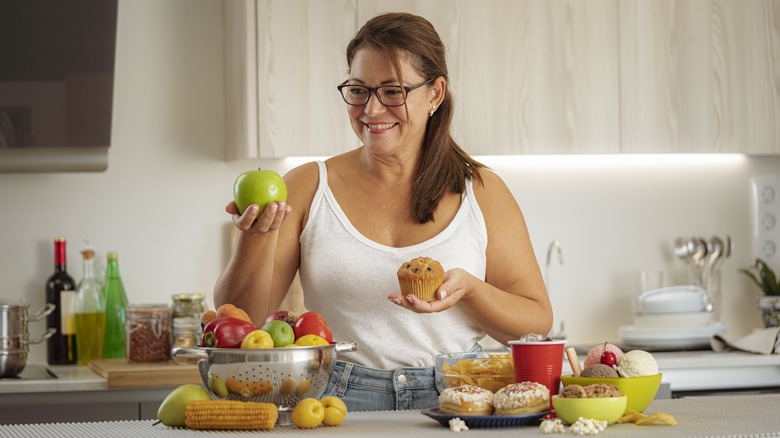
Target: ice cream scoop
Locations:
point(594, 355)
point(599, 370)
point(637, 363)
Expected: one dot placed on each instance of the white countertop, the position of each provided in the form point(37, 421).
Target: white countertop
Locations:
point(70, 378)
point(699, 416)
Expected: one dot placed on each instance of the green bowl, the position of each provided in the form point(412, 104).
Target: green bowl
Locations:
point(607, 409)
point(639, 390)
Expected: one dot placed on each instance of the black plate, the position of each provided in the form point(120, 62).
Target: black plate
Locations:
point(484, 421)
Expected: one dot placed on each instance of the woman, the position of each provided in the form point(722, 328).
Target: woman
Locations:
point(408, 191)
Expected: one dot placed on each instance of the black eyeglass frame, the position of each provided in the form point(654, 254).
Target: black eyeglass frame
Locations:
point(375, 91)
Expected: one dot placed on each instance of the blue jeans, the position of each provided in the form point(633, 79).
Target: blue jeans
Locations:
point(369, 389)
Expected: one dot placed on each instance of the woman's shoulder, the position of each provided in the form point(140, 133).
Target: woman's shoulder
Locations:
point(487, 184)
point(302, 173)
point(493, 195)
point(302, 182)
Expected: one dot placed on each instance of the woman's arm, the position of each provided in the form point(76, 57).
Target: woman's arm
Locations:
point(266, 253)
point(513, 300)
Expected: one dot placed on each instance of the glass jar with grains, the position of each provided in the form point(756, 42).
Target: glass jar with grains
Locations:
point(148, 333)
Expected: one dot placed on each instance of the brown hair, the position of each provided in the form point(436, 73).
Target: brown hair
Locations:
point(444, 166)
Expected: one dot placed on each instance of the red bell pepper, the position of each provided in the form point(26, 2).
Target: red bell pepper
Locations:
point(226, 332)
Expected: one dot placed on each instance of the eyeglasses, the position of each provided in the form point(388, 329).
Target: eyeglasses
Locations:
point(388, 95)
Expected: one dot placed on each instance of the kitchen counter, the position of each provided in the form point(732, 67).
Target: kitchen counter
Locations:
point(79, 394)
point(76, 394)
point(710, 416)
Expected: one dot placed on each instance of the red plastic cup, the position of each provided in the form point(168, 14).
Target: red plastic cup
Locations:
point(540, 362)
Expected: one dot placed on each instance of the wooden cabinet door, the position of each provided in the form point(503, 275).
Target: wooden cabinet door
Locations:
point(300, 46)
point(700, 76)
point(528, 77)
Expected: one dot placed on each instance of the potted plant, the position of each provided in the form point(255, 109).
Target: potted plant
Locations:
point(767, 281)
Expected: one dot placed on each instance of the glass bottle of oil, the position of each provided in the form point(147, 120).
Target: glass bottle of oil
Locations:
point(90, 312)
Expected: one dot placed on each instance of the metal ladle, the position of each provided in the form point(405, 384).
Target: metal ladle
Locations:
point(698, 248)
point(715, 251)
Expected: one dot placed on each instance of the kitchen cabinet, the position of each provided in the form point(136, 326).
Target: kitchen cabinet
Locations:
point(700, 76)
point(530, 77)
point(284, 59)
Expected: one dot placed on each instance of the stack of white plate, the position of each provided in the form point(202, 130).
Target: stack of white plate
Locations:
point(672, 317)
point(673, 299)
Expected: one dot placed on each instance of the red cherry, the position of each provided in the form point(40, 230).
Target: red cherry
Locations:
point(608, 358)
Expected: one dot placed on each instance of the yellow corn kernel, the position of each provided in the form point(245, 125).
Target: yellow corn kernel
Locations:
point(230, 414)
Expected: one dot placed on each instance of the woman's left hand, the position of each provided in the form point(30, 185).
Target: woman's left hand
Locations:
point(452, 289)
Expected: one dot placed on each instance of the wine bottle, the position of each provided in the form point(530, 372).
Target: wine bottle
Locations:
point(116, 303)
point(90, 312)
point(61, 291)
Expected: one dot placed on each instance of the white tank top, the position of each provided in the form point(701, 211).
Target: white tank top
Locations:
point(347, 277)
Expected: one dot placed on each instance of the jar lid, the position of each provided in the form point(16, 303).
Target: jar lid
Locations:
point(148, 308)
point(188, 297)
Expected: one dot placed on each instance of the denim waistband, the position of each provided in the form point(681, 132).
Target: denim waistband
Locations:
point(394, 380)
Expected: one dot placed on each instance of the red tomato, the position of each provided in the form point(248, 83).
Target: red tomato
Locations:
point(312, 323)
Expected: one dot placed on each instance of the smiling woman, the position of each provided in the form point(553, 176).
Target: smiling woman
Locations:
point(408, 191)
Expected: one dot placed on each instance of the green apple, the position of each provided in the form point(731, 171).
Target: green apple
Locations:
point(260, 187)
point(171, 411)
point(281, 333)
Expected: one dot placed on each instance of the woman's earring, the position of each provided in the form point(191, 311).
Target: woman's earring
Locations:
point(433, 109)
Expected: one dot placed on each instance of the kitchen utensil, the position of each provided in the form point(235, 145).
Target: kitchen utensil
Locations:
point(14, 339)
point(714, 253)
point(607, 409)
point(681, 249)
point(119, 373)
point(698, 258)
point(283, 376)
point(639, 390)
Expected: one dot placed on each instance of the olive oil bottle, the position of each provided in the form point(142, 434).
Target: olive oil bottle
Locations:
point(90, 313)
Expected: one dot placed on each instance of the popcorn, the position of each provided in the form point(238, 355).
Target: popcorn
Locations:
point(457, 425)
point(587, 426)
point(554, 425)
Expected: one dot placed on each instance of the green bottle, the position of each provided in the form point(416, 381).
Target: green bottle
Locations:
point(116, 302)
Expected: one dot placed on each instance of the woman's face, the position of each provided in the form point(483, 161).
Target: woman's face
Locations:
point(388, 130)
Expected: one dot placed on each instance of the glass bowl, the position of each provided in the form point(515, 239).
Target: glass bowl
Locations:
point(491, 370)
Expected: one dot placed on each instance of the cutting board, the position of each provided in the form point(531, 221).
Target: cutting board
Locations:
point(122, 374)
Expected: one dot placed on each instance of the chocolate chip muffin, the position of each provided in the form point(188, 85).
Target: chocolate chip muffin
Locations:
point(421, 277)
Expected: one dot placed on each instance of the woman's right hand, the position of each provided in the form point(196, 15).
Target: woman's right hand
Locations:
point(271, 219)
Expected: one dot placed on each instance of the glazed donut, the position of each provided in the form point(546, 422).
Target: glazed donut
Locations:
point(466, 400)
point(522, 399)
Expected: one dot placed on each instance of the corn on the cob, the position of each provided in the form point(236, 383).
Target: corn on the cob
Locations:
point(230, 414)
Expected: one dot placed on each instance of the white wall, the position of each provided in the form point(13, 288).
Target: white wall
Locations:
point(161, 202)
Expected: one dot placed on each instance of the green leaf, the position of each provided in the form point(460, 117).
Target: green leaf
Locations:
point(766, 279)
